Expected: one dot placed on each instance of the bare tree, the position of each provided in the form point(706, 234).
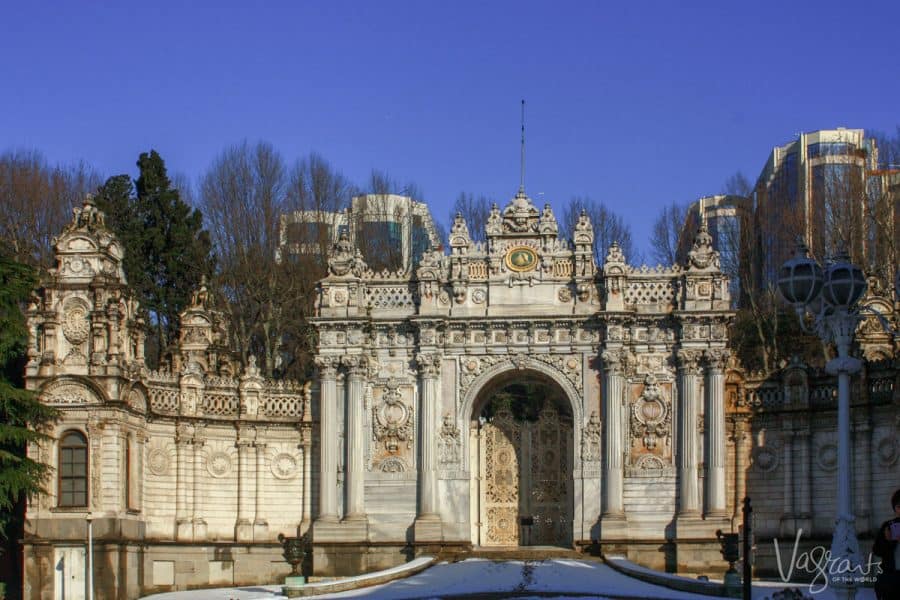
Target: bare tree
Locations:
point(666, 240)
point(244, 194)
point(608, 227)
point(36, 201)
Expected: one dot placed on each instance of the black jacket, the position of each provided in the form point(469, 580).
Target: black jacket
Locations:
point(884, 549)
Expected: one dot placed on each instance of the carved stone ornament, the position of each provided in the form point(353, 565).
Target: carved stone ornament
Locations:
point(75, 325)
point(218, 464)
point(67, 392)
point(284, 466)
point(479, 296)
point(449, 446)
point(702, 256)
point(393, 464)
point(344, 260)
point(521, 259)
point(887, 450)
point(651, 415)
point(590, 439)
point(393, 419)
point(765, 459)
point(520, 215)
point(327, 365)
point(826, 456)
point(158, 461)
point(564, 295)
point(429, 365)
point(689, 361)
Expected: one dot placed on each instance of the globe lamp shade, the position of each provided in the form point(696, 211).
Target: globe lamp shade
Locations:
point(800, 278)
point(845, 284)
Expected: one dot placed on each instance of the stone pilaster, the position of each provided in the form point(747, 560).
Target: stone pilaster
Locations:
point(184, 529)
point(862, 475)
point(199, 524)
point(715, 432)
point(356, 371)
point(738, 436)
point(688, 442)
point(613, 438)
point(428, 521)
point(803, 477)
point(260, 525)
point(328, 510)
point(243, 527)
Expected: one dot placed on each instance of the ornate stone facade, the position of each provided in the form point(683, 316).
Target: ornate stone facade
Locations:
point(644, 442)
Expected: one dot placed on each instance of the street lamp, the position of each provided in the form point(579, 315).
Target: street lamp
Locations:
point(831, 296)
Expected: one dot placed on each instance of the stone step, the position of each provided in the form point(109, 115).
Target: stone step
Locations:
point(513, 553)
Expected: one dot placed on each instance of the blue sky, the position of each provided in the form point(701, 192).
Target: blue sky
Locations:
point(635, 104)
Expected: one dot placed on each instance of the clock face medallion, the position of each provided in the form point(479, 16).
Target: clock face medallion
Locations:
point(521, 259)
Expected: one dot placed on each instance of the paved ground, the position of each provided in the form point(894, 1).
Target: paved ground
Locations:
point(488, 579)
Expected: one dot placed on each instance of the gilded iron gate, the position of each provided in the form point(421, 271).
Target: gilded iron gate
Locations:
point(526, 480)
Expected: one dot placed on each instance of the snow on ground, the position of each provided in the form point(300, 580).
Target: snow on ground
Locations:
point(558, 579)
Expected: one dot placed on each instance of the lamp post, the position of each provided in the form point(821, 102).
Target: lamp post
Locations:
point(90, 556)
point(831, 295)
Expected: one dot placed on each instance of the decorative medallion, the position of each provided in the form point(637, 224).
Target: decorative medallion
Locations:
point(826, 456)
point(158, 461)
point(564, 295)
point(521, 259)
point(887, 451)
point(218, 464)
point(765, 459)
point(479, 296)
point(340, 297)
point(284, 466)
point(75, 324)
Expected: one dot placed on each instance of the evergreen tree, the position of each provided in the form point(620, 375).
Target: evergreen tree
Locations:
point(167, 251)
point(22, 416)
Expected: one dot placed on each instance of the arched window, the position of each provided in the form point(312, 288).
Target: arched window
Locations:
point(73, 469)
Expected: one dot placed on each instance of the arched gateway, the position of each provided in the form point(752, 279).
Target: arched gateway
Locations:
point(523, 458)
point(515, 393)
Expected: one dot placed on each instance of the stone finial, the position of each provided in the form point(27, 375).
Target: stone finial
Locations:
point(87, 217)
point(344, 260)
point(614, 255)
point(702, 256)
point(200, 296)
point(548, 224)
point(459, 232)
point(494, 221)
point(520, 215)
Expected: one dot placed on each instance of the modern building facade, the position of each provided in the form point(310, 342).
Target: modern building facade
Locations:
point(391, 231)
point(824, 186)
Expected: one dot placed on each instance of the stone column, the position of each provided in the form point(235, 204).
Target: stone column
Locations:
point(715, 432)
point(243, 528)
point(802, 478)
point(183, 527)
point(260, 525)
point(787, 461)
point(739, 432)
point(327, 366)
point(688, 442)
point(862, 474)
point(305, 444)
point(355, 434)
point(199, 523)
point(428, 521)
point(142, 439)
point(613, 436)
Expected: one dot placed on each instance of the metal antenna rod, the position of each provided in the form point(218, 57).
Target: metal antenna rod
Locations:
point(522, 166)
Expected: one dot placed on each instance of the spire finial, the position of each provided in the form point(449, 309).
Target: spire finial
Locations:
point(522, 166)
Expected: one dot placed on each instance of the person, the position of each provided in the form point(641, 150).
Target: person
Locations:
point(887, 548)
